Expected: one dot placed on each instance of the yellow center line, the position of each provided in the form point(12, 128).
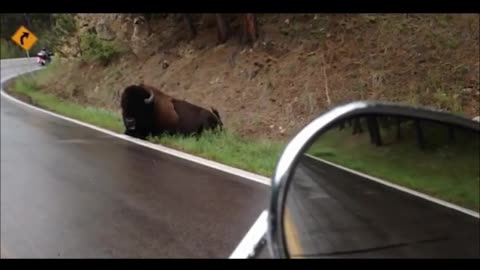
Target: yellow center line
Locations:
point(291, 235)
point(4, 253)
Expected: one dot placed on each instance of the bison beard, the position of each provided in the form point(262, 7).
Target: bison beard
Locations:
point(148, 111)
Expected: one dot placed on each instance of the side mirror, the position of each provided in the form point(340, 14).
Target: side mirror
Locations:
point(378, 180)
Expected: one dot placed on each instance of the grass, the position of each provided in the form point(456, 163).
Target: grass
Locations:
point(447, 171)
point(95, 49)
point(9, 50)
point(225, 147)
point(452, 179)
point(95, 116)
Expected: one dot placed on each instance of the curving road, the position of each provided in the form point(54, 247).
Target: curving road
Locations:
point(337, 214)
point(69, 191)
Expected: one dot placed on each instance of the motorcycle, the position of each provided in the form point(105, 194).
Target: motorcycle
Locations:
point(374, 180)
point(43, 59)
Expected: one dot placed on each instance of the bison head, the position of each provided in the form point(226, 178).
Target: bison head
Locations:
point(137, 110)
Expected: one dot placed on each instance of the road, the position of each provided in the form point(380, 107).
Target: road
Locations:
point(69, 192)
point(335, 213)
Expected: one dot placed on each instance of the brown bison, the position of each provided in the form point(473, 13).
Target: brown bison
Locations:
point(148, 111)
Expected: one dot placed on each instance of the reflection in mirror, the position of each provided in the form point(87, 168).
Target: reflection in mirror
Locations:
point(337, 205)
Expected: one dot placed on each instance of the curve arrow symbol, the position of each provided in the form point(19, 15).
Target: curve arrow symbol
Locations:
point(24, 35)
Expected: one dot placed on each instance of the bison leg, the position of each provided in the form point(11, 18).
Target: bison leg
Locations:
point(135, 134)
point(197, 135)
point(130, 132)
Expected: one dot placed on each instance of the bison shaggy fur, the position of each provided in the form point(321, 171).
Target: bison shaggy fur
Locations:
point(148, 111)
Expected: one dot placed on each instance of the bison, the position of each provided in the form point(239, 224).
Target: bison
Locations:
point(148, 111)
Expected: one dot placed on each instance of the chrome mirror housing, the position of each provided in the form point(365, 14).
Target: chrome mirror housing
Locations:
point(290, 158)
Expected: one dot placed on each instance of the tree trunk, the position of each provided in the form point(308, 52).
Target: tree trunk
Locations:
point(250, 28)
point(451, 133)
point(420, 136)
point(222, 28)
point(187, 18)
point(399, 131)
point(374, 130)
point(357, 127)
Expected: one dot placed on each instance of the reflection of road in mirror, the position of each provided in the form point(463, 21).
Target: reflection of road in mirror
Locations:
point(334, 213)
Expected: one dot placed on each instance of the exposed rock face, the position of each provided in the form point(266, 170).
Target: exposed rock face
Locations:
point(104, 31)
point(140, 37)
point(70, 48)
point(127, 29)
point(123, 27)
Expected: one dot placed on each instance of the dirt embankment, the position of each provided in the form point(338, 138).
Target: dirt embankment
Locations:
point(300, 66)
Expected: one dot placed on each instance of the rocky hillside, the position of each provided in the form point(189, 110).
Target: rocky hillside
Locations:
point(300, 66)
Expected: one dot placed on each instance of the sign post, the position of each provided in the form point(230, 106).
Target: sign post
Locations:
point(24, 38)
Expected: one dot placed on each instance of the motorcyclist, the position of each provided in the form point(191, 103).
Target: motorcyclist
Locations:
point(44, 53)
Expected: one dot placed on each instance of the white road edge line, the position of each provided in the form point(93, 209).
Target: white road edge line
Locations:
point(259, 228)
point(404, 189)
point(253, 236)
point(255, 229)
point(173, 152)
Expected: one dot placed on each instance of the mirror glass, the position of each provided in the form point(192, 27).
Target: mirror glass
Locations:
point(347, 196)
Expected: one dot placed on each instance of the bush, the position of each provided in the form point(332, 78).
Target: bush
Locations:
point(10, 50)
point(95, 49)
point(64, 24)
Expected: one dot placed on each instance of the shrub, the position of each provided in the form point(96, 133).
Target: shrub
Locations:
point(95, 49)
point(9, 50)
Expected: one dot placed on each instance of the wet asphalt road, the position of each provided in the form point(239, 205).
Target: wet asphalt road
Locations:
point(69, 191)
point(338, 214)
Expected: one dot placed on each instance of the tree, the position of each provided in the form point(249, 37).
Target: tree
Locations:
point(357, 127)
point(374, 130)
point(451, 133)
point(250, 28)
point(188, 20)
point(223, 29)
point(420, 136)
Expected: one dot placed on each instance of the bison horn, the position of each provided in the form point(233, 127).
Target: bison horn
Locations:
point(150, 98)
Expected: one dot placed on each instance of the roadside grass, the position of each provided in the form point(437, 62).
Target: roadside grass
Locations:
point(257, 156)
point(99, 117)
point(448, 171)
point(453, 179)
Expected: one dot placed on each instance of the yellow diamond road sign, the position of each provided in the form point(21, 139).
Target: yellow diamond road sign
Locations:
point(24, 38)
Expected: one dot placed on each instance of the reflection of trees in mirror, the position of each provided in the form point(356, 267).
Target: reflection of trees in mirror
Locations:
point(439, 160)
